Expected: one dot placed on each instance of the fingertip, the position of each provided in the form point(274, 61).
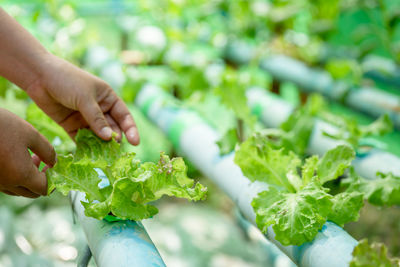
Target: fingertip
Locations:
point(96, 119)
point(42, 149)
point(106, 133)
point(133, 136)
point(53, 158)
point(115, 128)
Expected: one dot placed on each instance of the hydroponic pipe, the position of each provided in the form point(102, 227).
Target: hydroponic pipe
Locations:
point(121, 243)
point(195, 139)
point(272, 111)
point(369, 100)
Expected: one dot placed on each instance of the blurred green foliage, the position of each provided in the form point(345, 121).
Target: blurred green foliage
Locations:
point(194, 47)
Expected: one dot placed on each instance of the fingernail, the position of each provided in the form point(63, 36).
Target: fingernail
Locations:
point(106, 132)
point(130, 134)
point(55, 161)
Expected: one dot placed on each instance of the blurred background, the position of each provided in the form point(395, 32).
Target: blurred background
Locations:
point(184, 46)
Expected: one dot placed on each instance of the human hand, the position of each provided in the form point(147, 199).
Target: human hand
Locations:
point(19, 171)
point(76, 99)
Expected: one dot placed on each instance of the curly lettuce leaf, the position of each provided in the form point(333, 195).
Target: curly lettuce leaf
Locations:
point(129, 198)
point(89, 146)
point(352, 132)
point(308, 170)
point(97, 210)
point(260, 162)
point(335, 162)
point(374, 255)
point(383, 191)
point(132, 184)
point(69, 175)
point(135, 186)
point(169, 177)
point(295, 217)
point(294, 133)
point(380, 126)
point(296, 204)
point(346, 207)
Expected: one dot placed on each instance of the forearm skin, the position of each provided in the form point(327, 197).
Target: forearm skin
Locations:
point(22, 57)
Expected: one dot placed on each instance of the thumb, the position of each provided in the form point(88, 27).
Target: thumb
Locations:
point(93, 115)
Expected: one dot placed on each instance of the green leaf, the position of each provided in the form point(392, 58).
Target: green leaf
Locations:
point(298, 127)
point(315, 104)
point(123, 166)
point(296, 208)
point(381, 126)
point(150, 182)
point(97, 210)
point(228, 142)
point(262, 204)
point(345, 69)
point(69, 175)
point(308, 171)
point(89, 146)
point(191, 80)
point(383, 191)
point(374, 255)
point(133, 185)
point(260, 162)
point(346, 207)
point(297, 131)
point(334, 163)
point(233, 95)
point(295, 217)
point(129, 198)
point(169, 177)
point(350, 131)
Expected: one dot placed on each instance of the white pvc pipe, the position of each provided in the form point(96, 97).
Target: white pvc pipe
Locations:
point(121, 243)
point(366, 99)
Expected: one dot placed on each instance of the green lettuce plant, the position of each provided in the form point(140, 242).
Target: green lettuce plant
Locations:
point(372, 255)
point(296, 204)
point(130, 185)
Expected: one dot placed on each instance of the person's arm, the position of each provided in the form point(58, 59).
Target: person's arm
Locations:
point(72, 97)
point(20, 52)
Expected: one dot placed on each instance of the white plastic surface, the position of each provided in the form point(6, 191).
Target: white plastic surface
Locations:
point(122, 243)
